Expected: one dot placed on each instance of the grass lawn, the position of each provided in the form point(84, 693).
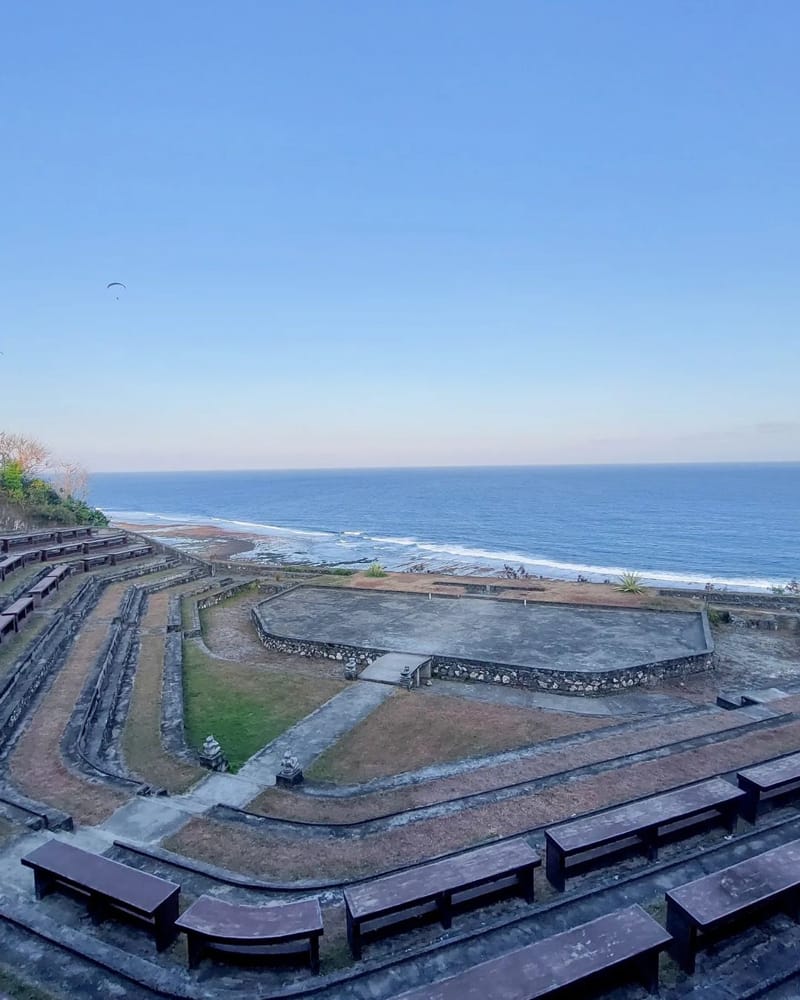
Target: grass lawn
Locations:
point(244, 706)
point(413, 729)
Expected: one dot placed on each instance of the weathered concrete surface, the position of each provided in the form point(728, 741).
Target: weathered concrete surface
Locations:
point(388, 669)
point(540, 636)
point(308, 738)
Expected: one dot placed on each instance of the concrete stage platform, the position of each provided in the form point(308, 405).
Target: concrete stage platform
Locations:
point(540, 636)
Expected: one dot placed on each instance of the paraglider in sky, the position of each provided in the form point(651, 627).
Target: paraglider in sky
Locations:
point(116, 284)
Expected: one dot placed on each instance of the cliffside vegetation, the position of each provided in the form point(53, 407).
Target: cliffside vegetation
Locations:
point(37, 489)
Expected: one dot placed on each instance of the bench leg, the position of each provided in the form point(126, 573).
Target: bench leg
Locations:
point(555, 867)
point(647, 971)
point(313, 953)
point(164, 923)
point(444, 905)
point(649, 839)
point(730, 815)
point(97, 908)
point(684, 934)
point(525, 881)
point(749, 806)
point(43, 884)
point(354, 936)
point(791, 905)
point(194, 948)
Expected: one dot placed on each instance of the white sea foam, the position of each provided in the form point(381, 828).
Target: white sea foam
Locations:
point(313, 545)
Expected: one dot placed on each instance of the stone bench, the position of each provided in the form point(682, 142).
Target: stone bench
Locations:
point(107, 885)
point(774, 779)
point(439, 882)
point(565, 963)
point(639, 823)
point(703, 908)
point(233, 927)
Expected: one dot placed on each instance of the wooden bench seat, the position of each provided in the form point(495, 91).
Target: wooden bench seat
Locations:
point(439, 882)
point(774, 779)
point(706, 905)
point(64, 549)
point(9, 564)
point(565, 962)
point(42, 589)
point(8, 626)
point(7, 542)
point(60, 573)
point(98, 559)
point(20, 609)
point(639, 823)
point(62, 534)
point(103, 542)
point(107, 884)
point(211, 922)
point(132, 553)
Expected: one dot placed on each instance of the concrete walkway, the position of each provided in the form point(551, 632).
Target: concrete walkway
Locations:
point(622, 705)
point(149, 820)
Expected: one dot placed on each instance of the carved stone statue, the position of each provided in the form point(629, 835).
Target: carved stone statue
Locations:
point(290, 772)
point(212, 755)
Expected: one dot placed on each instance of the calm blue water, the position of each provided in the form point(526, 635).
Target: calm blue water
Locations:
point(735, 525)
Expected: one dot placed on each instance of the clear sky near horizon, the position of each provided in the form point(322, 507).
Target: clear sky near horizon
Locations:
point(385, 234)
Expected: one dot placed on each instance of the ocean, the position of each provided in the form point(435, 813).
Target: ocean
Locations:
point(735, 526)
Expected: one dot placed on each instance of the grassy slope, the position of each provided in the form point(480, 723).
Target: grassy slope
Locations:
point(244, 706)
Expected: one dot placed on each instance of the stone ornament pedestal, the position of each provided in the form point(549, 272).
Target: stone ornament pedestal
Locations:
point(290, 773)
point(212, 756)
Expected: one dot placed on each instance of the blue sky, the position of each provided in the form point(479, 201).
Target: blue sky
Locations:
point(417, 233)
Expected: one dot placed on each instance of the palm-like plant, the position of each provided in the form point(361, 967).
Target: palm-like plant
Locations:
point(630, 583)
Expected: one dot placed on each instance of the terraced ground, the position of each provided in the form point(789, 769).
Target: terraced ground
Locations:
point(423, 773)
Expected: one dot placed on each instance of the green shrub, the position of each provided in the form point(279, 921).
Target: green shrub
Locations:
point(630, 583)
point(376, 570)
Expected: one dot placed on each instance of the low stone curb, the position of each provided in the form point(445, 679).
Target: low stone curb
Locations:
point(391, 820)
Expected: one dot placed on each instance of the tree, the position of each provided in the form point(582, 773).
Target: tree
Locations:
point(72, 480)
point(12, 481)
point(31, 455)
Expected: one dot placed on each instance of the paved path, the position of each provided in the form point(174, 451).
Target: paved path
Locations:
point(619, 705)
point(149, 820)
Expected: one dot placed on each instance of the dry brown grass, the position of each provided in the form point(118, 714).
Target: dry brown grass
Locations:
point(559, 591)
point(243, 849)
point(142, 738)
point(36, 765)
point(228, 632)
point(291, 805)
point(413, 729)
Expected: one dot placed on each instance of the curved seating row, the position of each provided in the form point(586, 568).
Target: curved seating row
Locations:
point(627, 940)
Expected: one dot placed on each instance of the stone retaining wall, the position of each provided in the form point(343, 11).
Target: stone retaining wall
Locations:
point(41, 660)
point(487, 672)
point(564, 681)
point(302, 647)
